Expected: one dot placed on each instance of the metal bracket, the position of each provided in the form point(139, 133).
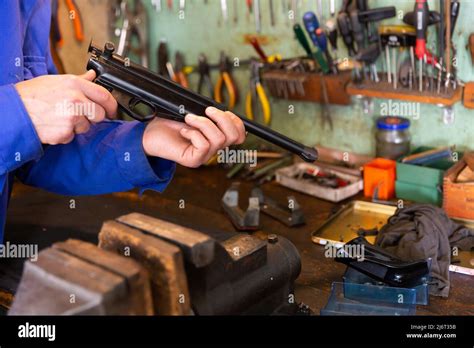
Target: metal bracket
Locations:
point(248, 220)
point(289, 214)
point(376, 199)
point(367, 104)
point(448, 115)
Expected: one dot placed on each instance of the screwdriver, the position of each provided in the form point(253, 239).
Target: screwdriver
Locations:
point(331, 28)
point(455, 6)
point(322, 39)
point(257, 15)
point(272, 13)
point(369, 55)
point(454, 12)
point(406, 74)
point(448, 45)
point(357, 32)
point(332, 8)
point(421, 17)
point(357, 29)
point(317, 55)
point(362, 15)
point(422, 11)
point(256, 45)
point(438, 89)
point(236, 13)
point(441, 34)
point(362, 5)
point(224, 10)
point(344, 25)
point(317, 35)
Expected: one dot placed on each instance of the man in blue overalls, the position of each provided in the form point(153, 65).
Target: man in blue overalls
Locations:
point(77, 150)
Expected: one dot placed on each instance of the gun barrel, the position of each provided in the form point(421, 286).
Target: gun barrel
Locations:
point(133, 84)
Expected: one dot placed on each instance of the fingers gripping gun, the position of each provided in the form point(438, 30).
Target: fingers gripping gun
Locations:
point(133, 85)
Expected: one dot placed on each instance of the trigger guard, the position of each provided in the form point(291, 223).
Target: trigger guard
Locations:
point(133, 102)
point(127, 106)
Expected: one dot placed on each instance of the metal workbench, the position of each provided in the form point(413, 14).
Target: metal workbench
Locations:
point(193, 200)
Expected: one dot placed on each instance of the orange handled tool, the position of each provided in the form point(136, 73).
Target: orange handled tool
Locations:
point(261, 53)
point(256, 45)
point(75, 15)
point(225, 82)
point(180, 76)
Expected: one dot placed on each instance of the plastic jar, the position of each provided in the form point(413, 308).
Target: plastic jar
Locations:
point(393, 137)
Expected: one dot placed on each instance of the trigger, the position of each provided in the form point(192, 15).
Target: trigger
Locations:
point(127, 104)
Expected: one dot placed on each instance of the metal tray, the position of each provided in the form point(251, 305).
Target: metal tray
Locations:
point(342, 227)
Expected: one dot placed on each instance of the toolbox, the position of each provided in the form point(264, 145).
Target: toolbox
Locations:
point(288, 177)
point(458, 197)
point(421, 183)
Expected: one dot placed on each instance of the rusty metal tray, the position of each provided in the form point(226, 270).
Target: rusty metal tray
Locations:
point(343, 226)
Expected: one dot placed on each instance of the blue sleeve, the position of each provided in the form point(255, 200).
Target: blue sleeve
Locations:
point(109, 158)
point(19, 142)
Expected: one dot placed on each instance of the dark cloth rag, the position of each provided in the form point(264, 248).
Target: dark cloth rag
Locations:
point(424, 231)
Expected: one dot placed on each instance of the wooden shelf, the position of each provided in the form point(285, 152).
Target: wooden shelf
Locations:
point(384, 90)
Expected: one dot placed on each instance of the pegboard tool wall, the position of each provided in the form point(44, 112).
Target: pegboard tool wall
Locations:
point(203, 30)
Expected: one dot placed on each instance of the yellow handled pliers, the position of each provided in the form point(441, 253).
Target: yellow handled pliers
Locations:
point(257, 93)
point(226, 82)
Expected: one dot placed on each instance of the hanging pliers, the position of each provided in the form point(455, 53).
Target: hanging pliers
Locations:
point(180, 76)
point(225, 82)
point(257, 94)
point(204, 75)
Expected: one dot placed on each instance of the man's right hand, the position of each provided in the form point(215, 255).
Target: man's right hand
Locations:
point(61, 106)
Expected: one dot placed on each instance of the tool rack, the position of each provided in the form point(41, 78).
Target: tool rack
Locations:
point(385, 90)
point(336, 87)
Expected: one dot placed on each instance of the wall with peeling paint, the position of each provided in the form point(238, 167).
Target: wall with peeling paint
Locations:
point(203, 30)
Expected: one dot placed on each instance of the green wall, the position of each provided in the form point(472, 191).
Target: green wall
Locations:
point(203, 30)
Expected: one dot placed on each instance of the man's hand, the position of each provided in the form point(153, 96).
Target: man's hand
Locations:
point(194, 142)
point(61, 106)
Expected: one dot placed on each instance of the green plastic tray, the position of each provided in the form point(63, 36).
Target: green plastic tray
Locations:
point(418, 193)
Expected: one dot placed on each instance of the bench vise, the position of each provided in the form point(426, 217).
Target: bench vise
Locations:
point(180, 271)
